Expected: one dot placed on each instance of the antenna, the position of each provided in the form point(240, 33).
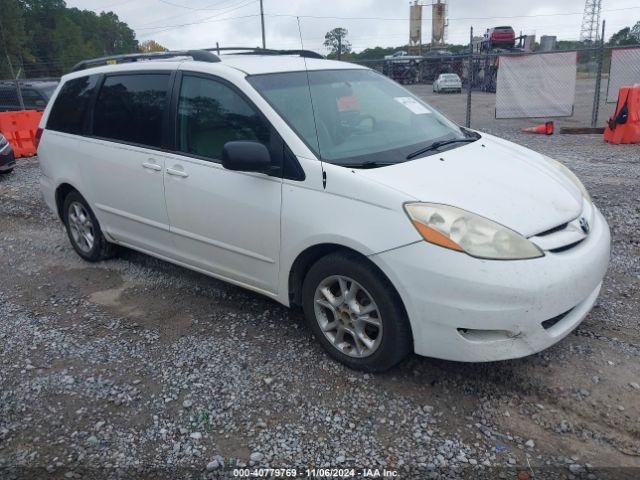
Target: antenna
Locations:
point(313, 111)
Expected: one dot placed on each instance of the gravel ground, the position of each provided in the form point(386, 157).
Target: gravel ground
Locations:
point(135, 368)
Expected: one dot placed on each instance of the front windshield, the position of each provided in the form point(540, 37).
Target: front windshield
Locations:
point(359, 115)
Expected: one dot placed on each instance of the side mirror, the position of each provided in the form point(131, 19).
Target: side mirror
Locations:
point(243, 156)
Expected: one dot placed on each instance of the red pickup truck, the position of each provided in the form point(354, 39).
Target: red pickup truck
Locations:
point(500, 37)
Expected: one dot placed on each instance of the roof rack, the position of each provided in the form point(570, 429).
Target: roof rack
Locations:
point(266, 51)
point(198, 55)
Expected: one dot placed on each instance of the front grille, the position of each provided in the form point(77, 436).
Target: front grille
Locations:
point(553, 230)
point(566, 247)
point(547, 324)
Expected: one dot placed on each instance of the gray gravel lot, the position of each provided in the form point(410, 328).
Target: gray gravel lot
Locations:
point(138, 368)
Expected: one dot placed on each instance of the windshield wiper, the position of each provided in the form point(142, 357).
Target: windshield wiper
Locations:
point(371, 164)
point(437, 145)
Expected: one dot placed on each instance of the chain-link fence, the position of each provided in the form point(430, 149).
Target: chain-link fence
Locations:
point(574, 86)
point(23, 94)
point(19, 93)
point(624, 70)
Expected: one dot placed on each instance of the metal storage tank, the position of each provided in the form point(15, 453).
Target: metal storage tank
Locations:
point(438, 22)
point(548, 43)
point(415, 28)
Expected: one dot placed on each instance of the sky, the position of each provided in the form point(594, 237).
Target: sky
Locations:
point(180, 24)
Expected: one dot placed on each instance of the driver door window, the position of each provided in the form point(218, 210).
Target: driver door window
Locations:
point(211, 114)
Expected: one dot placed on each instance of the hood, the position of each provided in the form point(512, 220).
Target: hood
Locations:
point(496, 179)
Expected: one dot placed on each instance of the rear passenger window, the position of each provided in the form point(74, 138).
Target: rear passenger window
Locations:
point(211, 114)
point(130, 108)
point(69, 110)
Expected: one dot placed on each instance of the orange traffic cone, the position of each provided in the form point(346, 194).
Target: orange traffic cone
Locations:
point(545, 129)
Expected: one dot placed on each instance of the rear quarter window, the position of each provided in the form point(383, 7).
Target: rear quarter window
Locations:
point(70, 108)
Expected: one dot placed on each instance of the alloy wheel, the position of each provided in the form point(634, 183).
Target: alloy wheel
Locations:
point(81, 227)
point(348, 316)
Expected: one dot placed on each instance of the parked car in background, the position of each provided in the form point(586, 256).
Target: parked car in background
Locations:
point(326, 185)
point(447, 82)
point(35, 94)
point(7, 158)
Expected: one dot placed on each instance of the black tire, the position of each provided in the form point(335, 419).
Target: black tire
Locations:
point(6, 172)
point(101, 249)
point(396, 342)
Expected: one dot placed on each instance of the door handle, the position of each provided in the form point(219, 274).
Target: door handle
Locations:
point(177, 173)
point(151, 166)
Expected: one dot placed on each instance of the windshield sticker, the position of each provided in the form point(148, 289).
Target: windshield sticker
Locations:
point(413, 105)
point(347, 103)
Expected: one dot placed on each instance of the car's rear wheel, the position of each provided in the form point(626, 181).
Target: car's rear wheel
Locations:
point(84, 230)
point(355, 313)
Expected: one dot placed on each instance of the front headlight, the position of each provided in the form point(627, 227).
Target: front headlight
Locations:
point(457, 229)
point(571, 176)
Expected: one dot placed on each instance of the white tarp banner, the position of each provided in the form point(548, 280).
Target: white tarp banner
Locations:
point(625, 70)
point(539, 85)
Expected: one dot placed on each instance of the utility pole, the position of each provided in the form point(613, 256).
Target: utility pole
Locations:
point(596, 95)
point(469, 79)
point(264, 41)
point(339, 46)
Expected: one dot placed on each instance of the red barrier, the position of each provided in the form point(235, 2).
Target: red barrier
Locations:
point(624, 126)
point(20, 129)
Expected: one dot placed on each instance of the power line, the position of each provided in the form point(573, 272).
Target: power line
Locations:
point(176, 5)
point(196, 9)
point(111, 5)
point(207, 20)
point(405, 19)
point(205, 8)
point(212, 18)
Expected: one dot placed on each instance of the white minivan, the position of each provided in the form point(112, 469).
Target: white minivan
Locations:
point(325, 185)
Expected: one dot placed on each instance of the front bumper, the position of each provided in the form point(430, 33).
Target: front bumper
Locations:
point(7, 158)
point(467, 309)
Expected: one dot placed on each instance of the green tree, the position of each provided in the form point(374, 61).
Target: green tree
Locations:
point(12, 36)
point(336, 41)
point(151, 46)
point(45, 38)
point(626, 36)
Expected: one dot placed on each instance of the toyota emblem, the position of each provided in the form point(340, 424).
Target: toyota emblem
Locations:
point(584, 225)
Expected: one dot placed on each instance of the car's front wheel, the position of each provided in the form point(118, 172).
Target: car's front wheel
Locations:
point(84, 230)
point(355, 313)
